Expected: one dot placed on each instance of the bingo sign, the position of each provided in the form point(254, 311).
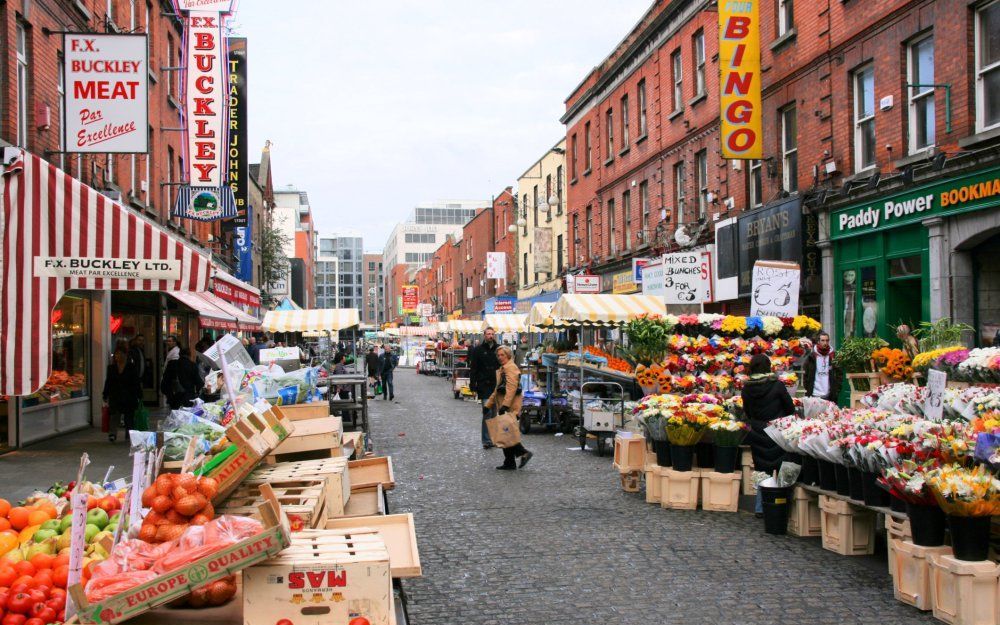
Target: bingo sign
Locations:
point(684, 278)
point(106, 103)
point(775, 289)
point(739, 75)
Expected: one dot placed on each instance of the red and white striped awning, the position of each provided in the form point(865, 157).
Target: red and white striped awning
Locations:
point(50, 225)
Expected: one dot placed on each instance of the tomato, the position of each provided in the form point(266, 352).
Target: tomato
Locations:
point(3, 599)
point(14, 619)
point(20, 603)
point(92, 502)
point(57, 594)
point(25, 582)
point(35, 620)
point(7, 575)
point(44, 578)
point(60, 576)
point(38, 596)
point(48, 614)
point(360, 620)
point(284, 621)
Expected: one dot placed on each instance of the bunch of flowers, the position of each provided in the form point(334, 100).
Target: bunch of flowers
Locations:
point(963, 491)
point(802, 322)
point(788, 378)
point(907, 481)
point(709, 324)
point(981, 365)
point(688, 422)
point(728, 432)
point(894, 363)
point(652, 412)
point(734, 325)
point(923, 360)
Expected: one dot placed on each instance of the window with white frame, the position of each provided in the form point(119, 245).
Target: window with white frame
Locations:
point(864, 118)
point(589, 230)
point(609, 120)
point(988, 66)
point(789, 150)
point(756, 184)
point(786, 17)
point(680, 179)
point(641, 95)
point(921, 93)
point(573, 156)
point(701, 171)
point(699, 63)
point(559, 190)
point(170, 60)
point(624, 121)
point(675, 61)
point(22, 86)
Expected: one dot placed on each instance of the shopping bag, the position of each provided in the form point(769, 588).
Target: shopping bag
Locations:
point(140, 421)
point(504, 430)
point(378, 388)
point(105, 418)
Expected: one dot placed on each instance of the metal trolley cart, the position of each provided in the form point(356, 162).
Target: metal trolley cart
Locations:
point(549, 409)
point(429, 366)
point(601, 412)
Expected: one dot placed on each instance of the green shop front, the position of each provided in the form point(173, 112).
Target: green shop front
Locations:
point(928, 252)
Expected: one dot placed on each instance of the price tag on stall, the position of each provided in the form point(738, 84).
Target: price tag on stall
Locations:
point(138, 485)
point(78, 503)
point(936, 383)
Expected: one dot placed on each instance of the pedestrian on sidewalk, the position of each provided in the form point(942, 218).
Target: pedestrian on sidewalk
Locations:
point(388, 362)
point(483, 367)
point(122, 391)
point(765, 398)
point(506, 397)
point(372, 369)
point(822, 375)
point(181, 381)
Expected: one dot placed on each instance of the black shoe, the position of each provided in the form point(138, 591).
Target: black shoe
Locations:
point(759, 515)
point(506, 467)
point(112, 438)
point(525, 458)
point(488, 445)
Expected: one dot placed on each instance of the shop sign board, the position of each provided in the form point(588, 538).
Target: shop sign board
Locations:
point(624, 283)
point(243, 242)
point(957, 195)
point(739, 78)
point(936, 383)
point(652, 279)
point(637, 265)
point(773, 233)
point(106, 100)
point(775, 289)
point(496, 265)
point(684, 278)
point(111, 268)
point(501, 305)
point(238, 158)
point(205, 95)
point(410, 298)
point(543, 250)
point(586, 284)
point(278, 353)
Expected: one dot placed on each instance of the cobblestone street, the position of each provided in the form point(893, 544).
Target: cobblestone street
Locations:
point(559, 542)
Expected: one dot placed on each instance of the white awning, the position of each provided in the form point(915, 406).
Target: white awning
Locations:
point(209, 315)
point(606, 309)
point(508, 323)
point(466, 326)
point(246, 321)
point(332, 319)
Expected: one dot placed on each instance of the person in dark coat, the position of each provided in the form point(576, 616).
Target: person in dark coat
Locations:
point(181, 381)
point(387, 364)
point(483, 366)
point(765, 398)
point(373, 369)
point(122, 391)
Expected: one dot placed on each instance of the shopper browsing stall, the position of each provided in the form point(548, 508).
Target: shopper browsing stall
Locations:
point(181, 381)
point(483, 366)
point(765, 398)
point(506, 398)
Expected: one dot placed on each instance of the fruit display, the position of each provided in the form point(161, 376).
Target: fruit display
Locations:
point(176, 501)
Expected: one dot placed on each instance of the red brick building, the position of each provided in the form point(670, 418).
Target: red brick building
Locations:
point(505, 215)
point(477, 239)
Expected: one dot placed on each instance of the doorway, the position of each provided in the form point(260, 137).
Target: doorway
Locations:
point(904, 301)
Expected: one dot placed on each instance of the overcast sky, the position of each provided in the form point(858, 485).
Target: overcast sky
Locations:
point(373, 107)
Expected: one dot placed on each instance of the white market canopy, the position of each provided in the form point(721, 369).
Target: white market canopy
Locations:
point(467, 326)
point(418, 330)
point(605, 309)
point(316, 320)
point(507, 323)
point(540, 317)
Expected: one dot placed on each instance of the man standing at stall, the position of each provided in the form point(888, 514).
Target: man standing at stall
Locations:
point(483, 365)
point(822, 373)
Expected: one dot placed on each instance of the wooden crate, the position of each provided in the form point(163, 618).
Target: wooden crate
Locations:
point(804, 518)
point(630, 453)
point(368, 472)
point(720, 492)
point(316, 437)
point(964, 593)
point(352, 445)
point(846, 529)
point(895, 530)
point(300, 412)
point(324, 577)
point(334, 470)
point(399, 534)
point(679, 489)
point(652, 477)
point(180, 582)
point(303, 501)
point(253, 436)
point(367, 501)
point(630, 481)
point(911, 574)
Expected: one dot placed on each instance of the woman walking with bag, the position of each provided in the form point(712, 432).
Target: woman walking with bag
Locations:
point(122, 391)
point(506, 398)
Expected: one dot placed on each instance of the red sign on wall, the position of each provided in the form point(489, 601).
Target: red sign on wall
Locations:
point(410, 298)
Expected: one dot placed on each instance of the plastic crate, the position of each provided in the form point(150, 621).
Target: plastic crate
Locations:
point(746, 471)
point(804, 518)
point(652, 475)
point(846, 529)
point(679, 489)
point(964, 593)
point(895, 530)
point(911, 574)
point(720, 492)
point(630, 453)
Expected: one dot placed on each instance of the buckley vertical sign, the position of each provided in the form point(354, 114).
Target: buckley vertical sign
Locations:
point(739, 75)
point(237, 157)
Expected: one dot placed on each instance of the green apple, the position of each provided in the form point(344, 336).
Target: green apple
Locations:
point(48, 547)
point(97, 517)
point(112, 527)
point(51, 525)
point(66, 523)
point(115, 518)
point(44, 534)
point(90, 531)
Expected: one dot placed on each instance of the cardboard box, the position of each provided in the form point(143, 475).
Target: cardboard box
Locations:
point(255, 435)
point(399, 534)
point(301, 412)
point(302, 500)
point(180, 582)
point(334, 470)
point(325, 577)
point(311, 435)
point(368, 472)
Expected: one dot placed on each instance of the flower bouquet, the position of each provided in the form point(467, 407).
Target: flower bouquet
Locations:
point(969, 497)
point(652, 413)
point(727, 434)
point(982, 365)
point(686, 425)
point(894, 364)
point(923, 361)
point(907, 482)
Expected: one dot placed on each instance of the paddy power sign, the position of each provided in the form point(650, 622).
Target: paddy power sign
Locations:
point(739, 75)
point(957, 195)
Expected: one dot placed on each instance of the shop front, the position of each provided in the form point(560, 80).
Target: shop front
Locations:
point(920, 255)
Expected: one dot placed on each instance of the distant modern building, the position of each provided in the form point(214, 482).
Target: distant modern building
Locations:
point(292, 215)
point(373, 289)
point(339, 267)
point(413, 242)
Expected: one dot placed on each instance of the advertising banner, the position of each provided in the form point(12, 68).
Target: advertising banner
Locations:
point(775, 289)
point(772, 233)
point(683, 278)
point(106, 94)
point(496, 265)
point(739, 75)
point(637, 265)
point(243, 241)
point(652, 279)
point(110, 268)
point(543, 250)
point(410, 298)
point(623, 283)
point(205, 98)
point(587, 284)
point(238, 158)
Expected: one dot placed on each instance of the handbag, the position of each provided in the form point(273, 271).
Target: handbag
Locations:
point(140, 421)
point(504, 430)
point(105, 418)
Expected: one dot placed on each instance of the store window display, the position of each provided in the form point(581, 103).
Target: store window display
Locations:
point(70, 321)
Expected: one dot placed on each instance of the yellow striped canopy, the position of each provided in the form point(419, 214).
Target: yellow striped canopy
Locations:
point(605, 309)
point(466, 326)
point(444, 326)
point(541, 314)
point(508, 323)
point(317, 320)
